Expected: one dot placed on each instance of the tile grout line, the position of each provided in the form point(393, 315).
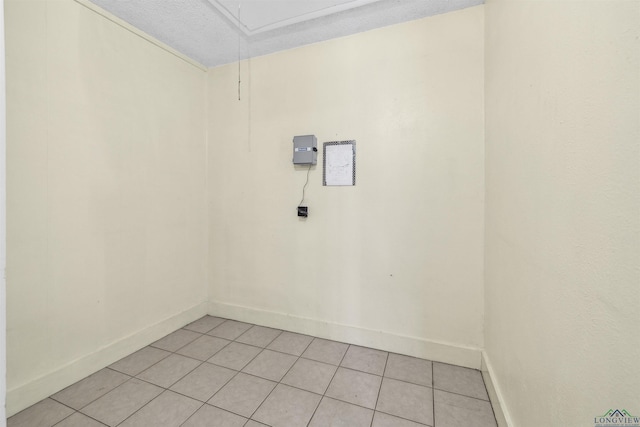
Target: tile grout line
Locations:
point(263, 400)
point(84, 406)
point(247, 364)
point(269, 343)
point(280, 381)
point(194, 412)
point(256, 376)
point(175, 352)
point(329, 385)
point(404, 418)
point(202, 362)
point(75, 411)
point(462, 395)
point(433, 394)
point(139, 409)
point(207, 361)
point(375, 407)
point(231, 379)
point(135, 375)
point(490, 403)
point(83, 414)
point(190, 371)
point(165, 389)
point(149, 402)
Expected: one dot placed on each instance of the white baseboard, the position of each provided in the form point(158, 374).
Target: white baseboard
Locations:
point(382, 340)
point(25, 395)
point(495, 394)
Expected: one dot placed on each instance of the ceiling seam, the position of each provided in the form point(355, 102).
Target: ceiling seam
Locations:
point(130, 28)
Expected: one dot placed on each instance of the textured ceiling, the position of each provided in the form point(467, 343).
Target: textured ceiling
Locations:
point(215, 32)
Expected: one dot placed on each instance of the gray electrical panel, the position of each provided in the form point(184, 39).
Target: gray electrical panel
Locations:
point(305, 150)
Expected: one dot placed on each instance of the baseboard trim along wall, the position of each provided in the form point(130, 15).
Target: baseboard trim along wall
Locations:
point(25, 395)
point(32, 392)
point(381, 340)
point(495, 395)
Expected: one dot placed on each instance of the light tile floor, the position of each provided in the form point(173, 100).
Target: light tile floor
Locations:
point(223, 373)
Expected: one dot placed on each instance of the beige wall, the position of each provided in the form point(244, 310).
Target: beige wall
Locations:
point(563, 208)
point(105, 192)
point(394, 262)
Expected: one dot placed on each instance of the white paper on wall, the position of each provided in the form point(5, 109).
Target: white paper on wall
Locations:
point(339, 163)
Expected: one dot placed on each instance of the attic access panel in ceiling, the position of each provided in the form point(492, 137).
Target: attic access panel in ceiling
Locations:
point(257, 16)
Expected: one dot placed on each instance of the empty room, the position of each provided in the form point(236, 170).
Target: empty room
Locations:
point(291, 213)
